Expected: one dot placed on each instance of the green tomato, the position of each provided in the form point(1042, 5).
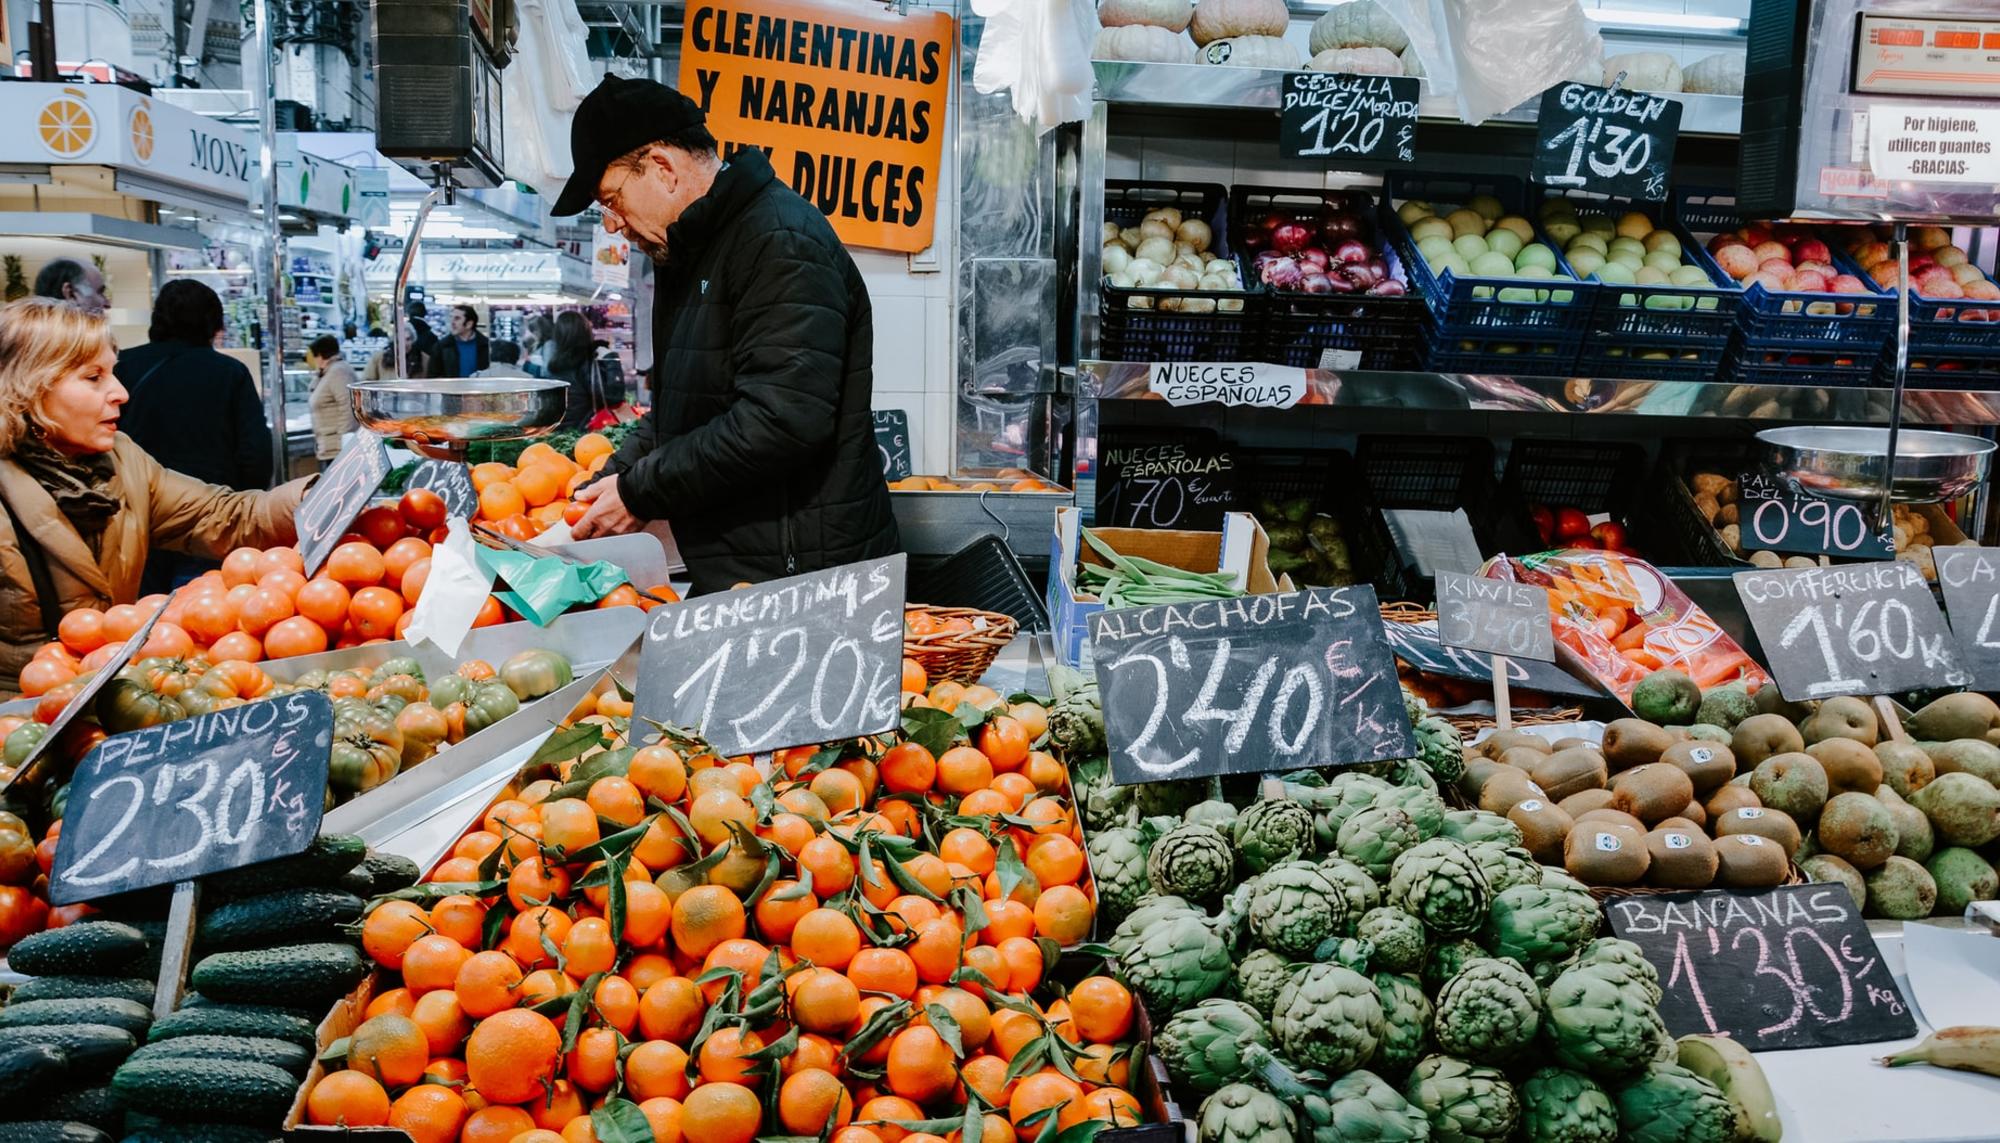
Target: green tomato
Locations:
point(532, 674)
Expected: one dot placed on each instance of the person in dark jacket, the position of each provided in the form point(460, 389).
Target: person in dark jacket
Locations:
point(760, 448)
point(195, 410)
point(463, 350)
point(574, 359)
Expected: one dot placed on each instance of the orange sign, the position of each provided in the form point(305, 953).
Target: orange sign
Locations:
point(849, 104)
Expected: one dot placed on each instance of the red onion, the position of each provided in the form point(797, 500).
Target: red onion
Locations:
point(1350, 251)
point(1255, 239)
point(1361, 274)
point(1339, 227)
point(1315, 256)
point(1290, 237)
point(1317, 284)
point(1280, 272)
point(1389, 288)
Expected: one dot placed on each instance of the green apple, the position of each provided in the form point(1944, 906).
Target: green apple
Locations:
point(1622, 243)
point(1662, 240)
point(1413, 210)
point(1504, 241)
point(1649, 276)
point(1533, 271)
point(1486, 206)
point(1434, 247)
point(1536, 255)
point(1464, 221)
point(1556, 208)
point(1493, 265)
point(1615, 273)
point(1664, 262)
point(1689, 276)
point(1586, 241)
point(1599, 224)
point(1451, 261)
point(1427, 226)
point(1585, 261)
point(1469, 246)
point(1562, 230)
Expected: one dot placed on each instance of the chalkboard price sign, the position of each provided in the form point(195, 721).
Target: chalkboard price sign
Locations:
point(452, 482)
point(1264, 682)
point(86, 699)
point(1185, 485)
point(1495, 616)
point(1856, 629)
point(812, 658)
point(1335, 116)
point(333, 502)
point(1417, 644)
point(1970, 578)
point(185, 799)
point(1773, 520)
point(1606, 141)
point(892, 439)
point(1792, 967)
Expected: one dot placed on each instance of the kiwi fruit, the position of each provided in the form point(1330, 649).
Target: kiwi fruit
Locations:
point(1730, 797)
point(1678, 823)
point(1507, 788)
point(1652, 792)
point(1794, 782)
point(1570, 771)
point(1606, 853)
point(1850, 767)
point(1859, 828)
point(1521, 758)
point(1578, 804)
point(1762, 735)
point(1905, 767)
point(1619, 817)
point(1562, 744)
point(1543, 827)
point(1680, 858)
point(1844, 717)
point(1501, 741)
point(1630, 742)
point(1748, 861)
point(1477, 771)
point(1708, 732)
point(1693, 814)
point(1775, 826)
point(1708, 765)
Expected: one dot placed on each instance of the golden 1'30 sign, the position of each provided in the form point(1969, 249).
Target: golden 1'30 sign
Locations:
point(849, 104)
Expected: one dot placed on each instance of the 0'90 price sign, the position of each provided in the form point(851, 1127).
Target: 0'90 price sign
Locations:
point(1772, 520)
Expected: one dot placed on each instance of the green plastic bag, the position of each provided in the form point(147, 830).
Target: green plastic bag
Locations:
point(545, 587)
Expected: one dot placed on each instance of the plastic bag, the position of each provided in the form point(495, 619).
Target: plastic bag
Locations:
point(1622, 620)
point(1495, 54)
point(545, 587)
point(1039, 52)
point(453, 594)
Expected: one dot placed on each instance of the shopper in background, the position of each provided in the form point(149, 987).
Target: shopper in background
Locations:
point(69, 280)
point(574, 359)
point(195, 410)
point(463, 351)
point(506, 361)
point(332, 409)
point(426, 340)
point(81, 504)
point(760, 447)
point(538, 344)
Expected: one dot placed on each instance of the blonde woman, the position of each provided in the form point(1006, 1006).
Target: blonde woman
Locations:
point(82, 504)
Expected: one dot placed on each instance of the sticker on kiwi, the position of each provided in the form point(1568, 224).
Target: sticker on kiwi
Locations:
point(1702, 755)
point(1678, 840)
point(1531, 805)
point(1749, 812)
point(1749, 839)
point(1538, 791)
point(1608, 843)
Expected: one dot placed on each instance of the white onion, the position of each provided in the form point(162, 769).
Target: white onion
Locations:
point(1179, 277)
point(1110, 232)
point(1154, 228)
point(1158, 250)
point(1195, 233)
point(1122, 279)
point(1116, 257)
point(1191, 260)
point(1171, 215)
point(1216, 282)
point(1145, 271)
point(1130, 237)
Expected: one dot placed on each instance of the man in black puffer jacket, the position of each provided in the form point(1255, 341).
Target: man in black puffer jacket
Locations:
point(760, 447)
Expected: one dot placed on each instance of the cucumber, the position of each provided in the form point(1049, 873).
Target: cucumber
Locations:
point(127, 1014)
point(255, 1021)
point(322, 863)
point(90, 1047)
point(227, 1091)
point(146, 1129)
point(82, 988)
point(389, 872)
point(278, 1053)
point(29, 1068)
point(88, 948)
point(51, 1131)
point(289, 916)
point(96, 1106)
point(357, 881)
point(300, 972)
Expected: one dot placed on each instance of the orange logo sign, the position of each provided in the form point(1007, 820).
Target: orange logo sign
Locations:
point(142, 132)
point(66, 125)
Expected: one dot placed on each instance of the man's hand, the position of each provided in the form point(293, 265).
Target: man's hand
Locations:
point(607, 515)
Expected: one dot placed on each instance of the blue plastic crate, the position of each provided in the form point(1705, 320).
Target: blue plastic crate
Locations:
point(1485, 351)
point(1930, 369)
point(1944, 325)
point(1473, 307)
point(1808, 363)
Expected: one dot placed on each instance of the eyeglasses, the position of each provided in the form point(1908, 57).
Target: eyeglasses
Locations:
point(609, 199)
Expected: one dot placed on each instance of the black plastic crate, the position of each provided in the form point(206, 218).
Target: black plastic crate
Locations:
point(1337, 331)
point(1332, 481)
point(1224, 325)
point(984, 574)
point(1439, 474)
point(1591, 476)
point(1501, 353)
point(1677, 524)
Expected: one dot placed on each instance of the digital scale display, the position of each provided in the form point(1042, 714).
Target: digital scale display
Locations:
point(1918, 55)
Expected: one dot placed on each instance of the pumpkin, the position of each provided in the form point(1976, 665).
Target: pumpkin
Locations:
point(1252, 51)
point(1719, 74)
point(1644, 71)
point(1142, 43)
point(1361, 24)
point(1173, 15)
point(1229, 19)
point(1357, 61)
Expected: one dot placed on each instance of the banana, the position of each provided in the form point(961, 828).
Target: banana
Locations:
point(1730, 1066)
point(1966, 1048)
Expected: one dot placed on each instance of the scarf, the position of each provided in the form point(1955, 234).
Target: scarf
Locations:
point(80, 485)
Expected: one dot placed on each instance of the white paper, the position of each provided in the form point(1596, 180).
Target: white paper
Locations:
point(1954, 974)
point(556, 533)
point(1935, 144)
point(454, 592)
point(1250, 384)
point(1435, 541)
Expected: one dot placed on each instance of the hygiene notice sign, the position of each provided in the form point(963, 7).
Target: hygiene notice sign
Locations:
point(848, 103)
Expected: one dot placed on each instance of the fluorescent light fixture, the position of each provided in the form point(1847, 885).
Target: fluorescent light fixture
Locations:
point(1672, 21)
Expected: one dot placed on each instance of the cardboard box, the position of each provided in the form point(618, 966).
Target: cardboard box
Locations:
point(1241, 549)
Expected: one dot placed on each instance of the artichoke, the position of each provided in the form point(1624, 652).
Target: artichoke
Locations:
point(1440, 884)
point(1375, 838)
point(1669, 1104)
point(1540, 927)
point(1169, 799)
point(1505, 866)
point(1362, 891)
point(1260, 976)
point(1348, 794)
point(1328, 1017)
point(1273, 830)
point(1470, 827)
point(1240, 1113)
point(1076, 721)
point(1447, 959)
point(1348, 952)
point(1488, 1012)
point(1406, 1023)
point(1397, 937)
point(1621, 952)
point(1202, 1046)
point(1175, 963)
point(1118, 863)
point(1464, 1102)
point(1423, 805)
point(1553, 878)
point(1295, 906)
point(1104, 805)
point(1414, 708)
point(1440, 748)
point(1217, 815)
point(1359, 1107)
point(1150, 910)
point(1191, 861)
point(1599, 1020)
point(1559, 1106)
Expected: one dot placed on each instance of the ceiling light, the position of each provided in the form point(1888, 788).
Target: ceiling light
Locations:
point(1673, 21)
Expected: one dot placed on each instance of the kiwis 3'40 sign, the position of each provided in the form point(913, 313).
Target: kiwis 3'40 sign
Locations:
point(848, 102)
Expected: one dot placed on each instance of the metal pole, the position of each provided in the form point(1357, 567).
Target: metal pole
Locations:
point(274, 253)
point(1888, 521)
point(441, 191)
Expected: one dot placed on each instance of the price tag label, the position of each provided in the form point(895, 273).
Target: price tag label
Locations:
point(1792, 967)
point(1606, 141)
point(1856, 629)
point(1260, 683)
point(1494, 616)
point(452, 482)
point(892, 439)
point(812, 658)
point(185, 799)
point(1970, 578)
point(1252, 384)
point(1174, 484)
point(1774, 520)
point(1335, 116)
point(1417, 644)
point(339, 495)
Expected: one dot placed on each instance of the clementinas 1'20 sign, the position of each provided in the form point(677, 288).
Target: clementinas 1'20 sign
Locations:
point(848, 104)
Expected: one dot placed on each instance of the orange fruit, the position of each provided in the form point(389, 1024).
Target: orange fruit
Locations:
point(569, 824)
point(1049, 814)
point(658, 772)
point(432, 962)
point(459, 917)
point(704, 917)
point(826, 937)
point(914, 679)
point(823, 1000)
point(657, 1068)
point(721, 1113)
point(537, 484)
point(775, 918)
point(443, 1021)
point(831, 866)
point(390, 1048)
point(1044, 1090)
point(534, 932)
point(347, 1099)
point(1113, 1105)
point(720, 1057)
point(392, 928)
point(974, 1018)
point(590, 947)
point(740, 953)
point(1102, 1009)
point(648, 913)
point(672, 1010)
point(908, 768)
point(961, 770)
point(811, 1099)
point(884, 970)
point(1062, 914)
point(545, 984)
point(1104, 1065)
point(617, 799)
point(1005, 742)
point(968, 847)
point(396, 1000)
point(593, 1062)
point(496, 1125)
point(431, 1113)
point(499, 500)
point(882, 1112)
point(648, 969)
point(486, 984)
point(511, 1056)
point(663, 1115)
point(1006, 919)
point(536, 882)
point(920, 1065)
point(987, 1075)
point(1046, 771)
point(935, 952)
point(558, 1107)
point(1024, 963)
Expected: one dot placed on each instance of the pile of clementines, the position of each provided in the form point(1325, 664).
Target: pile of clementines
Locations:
point(855, 943)
point(526, 498)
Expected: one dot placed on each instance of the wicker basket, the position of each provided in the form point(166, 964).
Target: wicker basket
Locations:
point(1471, 724)
point(961, 656)
point(1607, 893)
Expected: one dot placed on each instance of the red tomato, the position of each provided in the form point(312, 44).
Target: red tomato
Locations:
point(422, 509)
point(22, 914)
point(380, 525)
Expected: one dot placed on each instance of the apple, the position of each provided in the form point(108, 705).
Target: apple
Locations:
point(1883, 274)
point(1771, 282)
point(1571, 523)
point(1965, 273)
point(1583, 543)
point(1812, 250)
point(1945, 289)
point(1984, 290)
point(1870, 253)
point(1778, 266)
point(1756, 234)
point(1823, 268)
point(1736, 260)
point(1849, 284)
point(1810, 281)
point(1611, 534)
point(1950, 256)
point(1545, 521)
point(1930, 237)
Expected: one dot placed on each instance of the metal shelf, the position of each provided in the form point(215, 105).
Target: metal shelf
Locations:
point(1210, 87)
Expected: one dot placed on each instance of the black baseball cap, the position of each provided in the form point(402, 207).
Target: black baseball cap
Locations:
point(615, 119)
